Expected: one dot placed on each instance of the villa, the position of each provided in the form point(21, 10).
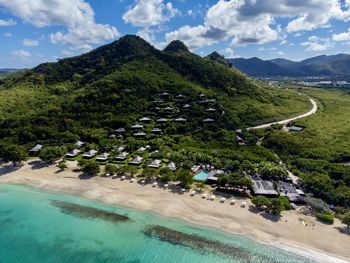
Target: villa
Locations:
point(137, 127)
point(164, 94)
point(136, 161)
point(73, 153)
point(139, 134)
point(162, 120)
point(213, 176)
point(122, 156)
point(157, 130)
point(180, 97)
point(90, 154)
point(141, 149)
point(180, 120)
point(208, 120)
point(145, 119)
point(210, 110)
point(186, 106)
point(120, 130)
point(294, 195)
point(103, 158)
point(155, 164)
point(79, 144)
point(171, 166)
point(168, 109)
point(36, 149)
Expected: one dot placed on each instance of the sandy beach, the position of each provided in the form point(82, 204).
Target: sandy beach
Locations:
point(324, 242)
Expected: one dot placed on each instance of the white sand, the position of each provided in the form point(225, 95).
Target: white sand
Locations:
point(323, 242)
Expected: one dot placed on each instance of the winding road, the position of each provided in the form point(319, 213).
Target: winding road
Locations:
point(266, 125)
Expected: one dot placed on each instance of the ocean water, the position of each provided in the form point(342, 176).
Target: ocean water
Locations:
point(38, 226)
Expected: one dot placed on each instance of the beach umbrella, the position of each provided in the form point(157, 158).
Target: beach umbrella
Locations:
point(132, 180)
point(243, 204)
point(223, 199)
point(166, 185)
point(154, 184)
point(143, 182)
point(114, 176)
point(233, 202)
point(183, 190)
point(193, 193)
point(108, 175)
point(212, 197)
point(123, 177)
point(204, 196)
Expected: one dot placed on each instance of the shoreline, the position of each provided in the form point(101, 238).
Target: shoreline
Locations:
point(288, 233)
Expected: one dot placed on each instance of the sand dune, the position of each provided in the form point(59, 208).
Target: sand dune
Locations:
point(323, 242)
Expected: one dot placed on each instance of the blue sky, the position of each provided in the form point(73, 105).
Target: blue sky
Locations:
point(36, 31)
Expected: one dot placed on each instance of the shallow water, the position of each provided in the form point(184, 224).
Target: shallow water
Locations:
point(38, 226)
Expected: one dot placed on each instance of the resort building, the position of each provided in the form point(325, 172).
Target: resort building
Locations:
point(261, 187)
point(186, 106)
point(164, 94)
point(213, 176)
point(180, 120)
point(145, 119)
point(139, 134)
point(122, 156)
point(296, 128)
point(103, 158)
point(141, 149)
point(162, 120)
point(171, 166)
point(137, 127)
point(210, 110)
point(155, 164)
point(180, 97)
point(157, 130)
point(120, 130)
point(294, 195)
point(136, 161)
point(90, 154)
point(168, 109)
point(79, 144)
point(208, 120)
point(35, 149)
point(73, 153)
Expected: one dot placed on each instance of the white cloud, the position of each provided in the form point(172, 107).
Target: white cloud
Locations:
point(317, 44)
point(21, 53)
point(229, 52)
point(7, 34)
point(345, 36)
point(254, 21)
point(30, 42)
point(267, 49)
point(9, 22)
point(284, 42)
point(148, 34)
point(77, 15)
point(146, 13)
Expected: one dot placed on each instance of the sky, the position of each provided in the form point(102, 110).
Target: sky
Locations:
point(37, 31)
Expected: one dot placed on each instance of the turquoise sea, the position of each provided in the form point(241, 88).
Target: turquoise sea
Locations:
point(39, 226)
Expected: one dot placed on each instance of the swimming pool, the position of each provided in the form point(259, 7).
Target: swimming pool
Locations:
point(201, 176)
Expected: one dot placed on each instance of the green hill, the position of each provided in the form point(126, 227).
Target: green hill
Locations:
point(113, 86)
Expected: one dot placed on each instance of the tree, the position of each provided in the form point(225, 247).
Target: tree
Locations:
point(13, 153)
point(91, 168)
point(62, 165)
point(260, 201)
point(275, 206)
point(111, 169)
point(184, 177)
point(166, 174)
point(51, 154)
point(150, 173)
point(346, 220)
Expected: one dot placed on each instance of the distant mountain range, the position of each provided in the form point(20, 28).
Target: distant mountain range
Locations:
point(330, 66)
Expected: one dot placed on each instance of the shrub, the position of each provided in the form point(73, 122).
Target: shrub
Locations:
point(325, 217)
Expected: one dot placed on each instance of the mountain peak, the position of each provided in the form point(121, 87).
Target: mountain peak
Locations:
point(215, 56)
point(176, 46)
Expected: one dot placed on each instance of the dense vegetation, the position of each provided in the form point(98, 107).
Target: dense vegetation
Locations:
point(318, 153)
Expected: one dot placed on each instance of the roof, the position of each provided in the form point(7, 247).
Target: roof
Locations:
point(36, 148)
point(79, 143)
point(180, 120)
point(215, 173)
point(171, 166)
point(156, 130)
point(155, 163)
point(136, 160)
point(162, 120)
point(186, 106)
point(122, 155)
point(261, 187)
point(137, 126)
point(141, 149)
point(74, 152)
point(120, 130)
point(296, 128)
point(164, 94)
point(145, 119)
point(139, 134)
point(210, 110)
point(168, 108)
point(208, 120)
